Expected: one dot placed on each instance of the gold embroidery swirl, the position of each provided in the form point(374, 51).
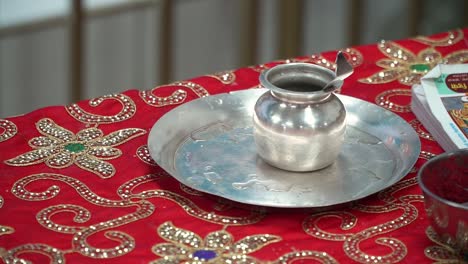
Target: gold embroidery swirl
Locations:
point(319, 256)
point(19, 190)
point(126, 192)
point(383, 99)
point(11, 256)
point(1, 201)
point(225, 77)
point(81, 216)
point(177, 97)
point(8, 129)
point(352, 240)
point(127, 243)
point(127, 111)
point(144, 155)
point(417, 126)
point(451, 38)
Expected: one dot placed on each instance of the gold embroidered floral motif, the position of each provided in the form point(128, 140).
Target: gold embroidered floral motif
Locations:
point(7, 129)
point(144, 155)
point(217, 247)
point(451, 38)
point(402, 65)
point(417, 126)
point(384, 100)
point(226, 77)
point(11, 256)
point(88, 149)
point(127, 111)
point(440, 252)
point(126, 192)
point(177, 97)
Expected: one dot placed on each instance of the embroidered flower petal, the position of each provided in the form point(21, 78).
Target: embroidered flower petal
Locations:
point(429, 55)
point(171, 233)
point(61, 160)
point(48, 127)
point(411, 78)
point(218, 240)
point(119, 137)
point(457, 57)
point(104, 152)
point(384, 76)
point(32, 157)
point(42, 142)
point(167, 260)
point(101, 168)
point(169, 249)
point(89, 134)
point(397, 52)
point(240, 259)
point(390, 64)
point(253, 243)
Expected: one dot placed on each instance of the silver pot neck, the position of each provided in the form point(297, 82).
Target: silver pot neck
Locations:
point(298, 82)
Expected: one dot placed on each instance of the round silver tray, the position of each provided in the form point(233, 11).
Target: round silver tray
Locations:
point(207, 144)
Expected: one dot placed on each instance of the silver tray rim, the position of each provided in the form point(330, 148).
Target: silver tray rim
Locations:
point(155, 132)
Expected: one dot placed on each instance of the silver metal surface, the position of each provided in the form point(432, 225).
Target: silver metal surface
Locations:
point(207, 144)
point(445, 188)
point(343, 71)
point(297, 126)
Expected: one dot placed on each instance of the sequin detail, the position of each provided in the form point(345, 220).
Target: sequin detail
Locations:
point(127, 111)
point(403, 65)
point(11, 256)
point(426, 155)
point(352, 240)
point(177, 97)
point(144, 155)
point(88, 149)
point(418, 127)
point(384, 100)
point(451, 38)
point(7, 129)
point(441, 252)
point(126, 192)
point(292, 257)
point(225, 77)
point(217, 247)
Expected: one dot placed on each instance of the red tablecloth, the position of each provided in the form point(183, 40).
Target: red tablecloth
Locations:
point(77, 184)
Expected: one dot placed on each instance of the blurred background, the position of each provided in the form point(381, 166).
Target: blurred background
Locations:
point(54, 52)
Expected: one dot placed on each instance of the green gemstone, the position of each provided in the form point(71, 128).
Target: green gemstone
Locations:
point(75, 147)
point(420, 67)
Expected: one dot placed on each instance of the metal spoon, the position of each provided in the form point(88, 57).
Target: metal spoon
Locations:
point(343, 70)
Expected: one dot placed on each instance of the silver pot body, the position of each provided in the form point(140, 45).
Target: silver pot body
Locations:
point(297, 125)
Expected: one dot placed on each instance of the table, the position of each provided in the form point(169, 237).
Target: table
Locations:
point(77, 183)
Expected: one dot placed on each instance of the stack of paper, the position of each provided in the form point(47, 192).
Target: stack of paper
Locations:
point(440, 103)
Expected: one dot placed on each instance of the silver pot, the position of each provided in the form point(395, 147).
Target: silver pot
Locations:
point(297, 125)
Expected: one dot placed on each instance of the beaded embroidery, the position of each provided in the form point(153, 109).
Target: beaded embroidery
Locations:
point(177, 97)
point(440, 252)
point(417, 126)
point(7, 129)
point(225, 77)
point(127, 111)
point(88, 149)
point(384, 100)
point(403, 65)
point(217, 247)
point(451, 38)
